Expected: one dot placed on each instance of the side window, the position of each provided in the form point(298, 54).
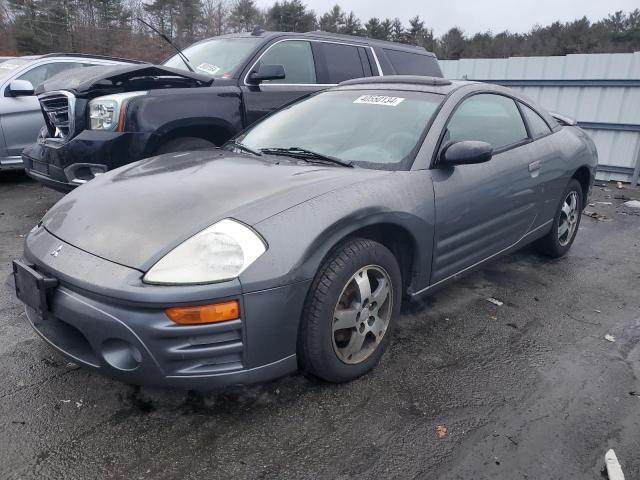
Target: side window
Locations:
point(44, 72)
point(490, 118)
point(537, 125)
point(407, 63)
point(343, 62)
point(296, 57)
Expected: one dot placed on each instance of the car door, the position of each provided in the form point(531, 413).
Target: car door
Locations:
point(482, 209)
point(548, 159)
point(21, 116)
point(310, 65)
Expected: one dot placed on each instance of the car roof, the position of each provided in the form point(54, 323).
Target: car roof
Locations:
point(437, 85)
point(319, 35)
point(405, 82)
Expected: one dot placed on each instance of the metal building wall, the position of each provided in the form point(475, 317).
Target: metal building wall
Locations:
point(601, 91)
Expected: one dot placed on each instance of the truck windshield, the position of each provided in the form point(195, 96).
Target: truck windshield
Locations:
point(377, 129)
point(10, 66)
point(218, 58)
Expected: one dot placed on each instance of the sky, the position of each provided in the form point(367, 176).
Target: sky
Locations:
point(476, 16)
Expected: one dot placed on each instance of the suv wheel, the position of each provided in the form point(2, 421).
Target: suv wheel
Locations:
point(351, 307)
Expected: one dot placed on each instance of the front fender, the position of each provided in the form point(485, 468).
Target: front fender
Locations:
point(301, 237)
point(162, 112)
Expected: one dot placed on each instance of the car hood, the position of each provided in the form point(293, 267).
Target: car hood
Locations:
point(137, 213)
point(107, 79)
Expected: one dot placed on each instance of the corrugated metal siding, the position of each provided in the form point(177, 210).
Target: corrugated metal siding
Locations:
point(589, 101)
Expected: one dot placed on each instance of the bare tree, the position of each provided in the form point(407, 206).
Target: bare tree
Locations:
point(216, 15)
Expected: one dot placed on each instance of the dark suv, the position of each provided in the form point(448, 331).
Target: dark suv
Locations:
point(102, 118)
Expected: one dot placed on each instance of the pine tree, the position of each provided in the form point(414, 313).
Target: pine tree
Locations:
point(290, 16)
point(189, 21)
point(452, 44)
point(27, 26)
point(374, 29)
point(163, 15)
point(244, 16)
point(333, 21)
point(351, 25)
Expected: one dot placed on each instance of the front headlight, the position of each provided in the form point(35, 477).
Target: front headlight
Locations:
point(104, 112)
point(220, 252)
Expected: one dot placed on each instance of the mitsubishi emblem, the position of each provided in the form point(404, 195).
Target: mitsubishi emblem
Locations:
point(56, 252)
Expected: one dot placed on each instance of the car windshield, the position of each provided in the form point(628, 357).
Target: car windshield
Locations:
point(10, 66)
point(218, 58)
point(367, 128)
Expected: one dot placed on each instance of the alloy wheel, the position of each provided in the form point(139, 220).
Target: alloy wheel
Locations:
point(569, 216)
point(362, 315)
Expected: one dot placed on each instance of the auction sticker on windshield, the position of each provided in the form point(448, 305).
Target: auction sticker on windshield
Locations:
point(208, 68)
point(379, 100)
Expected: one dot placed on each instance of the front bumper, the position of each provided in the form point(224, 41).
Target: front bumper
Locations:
point(11, 163)
point(49, 160)
point(135, 342)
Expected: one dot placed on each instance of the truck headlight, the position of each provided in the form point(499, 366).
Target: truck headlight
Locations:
point(218, 253)
point(105, 112)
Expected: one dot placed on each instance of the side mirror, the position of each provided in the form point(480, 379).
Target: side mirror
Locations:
point(267, 72)
point(467, 152)
point(20, 88)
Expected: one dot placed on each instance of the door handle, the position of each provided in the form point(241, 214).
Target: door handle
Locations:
point(534, 166)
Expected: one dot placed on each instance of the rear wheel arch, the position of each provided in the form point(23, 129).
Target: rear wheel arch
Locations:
point(583, 175)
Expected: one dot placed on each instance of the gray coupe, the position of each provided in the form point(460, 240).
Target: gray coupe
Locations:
point(295, 244)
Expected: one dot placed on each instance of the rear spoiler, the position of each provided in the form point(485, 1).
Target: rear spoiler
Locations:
point(564, 120)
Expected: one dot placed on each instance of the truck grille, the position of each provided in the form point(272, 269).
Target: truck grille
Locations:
point(58, 108)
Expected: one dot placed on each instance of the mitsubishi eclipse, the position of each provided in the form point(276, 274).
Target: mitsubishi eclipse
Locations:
point(295, 244)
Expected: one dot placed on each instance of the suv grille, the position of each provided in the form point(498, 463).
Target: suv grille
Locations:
point(56, 107)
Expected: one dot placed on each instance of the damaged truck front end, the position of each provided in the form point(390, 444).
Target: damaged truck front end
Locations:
point(101, 118)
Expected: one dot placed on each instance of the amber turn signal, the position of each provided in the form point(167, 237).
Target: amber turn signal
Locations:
point(217, 312)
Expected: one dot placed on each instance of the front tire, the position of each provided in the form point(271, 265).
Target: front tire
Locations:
point(350, 310)
point(565, 223)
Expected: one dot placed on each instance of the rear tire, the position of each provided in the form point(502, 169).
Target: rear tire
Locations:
point(184, 144)
point(350, 310)
point(565, 223)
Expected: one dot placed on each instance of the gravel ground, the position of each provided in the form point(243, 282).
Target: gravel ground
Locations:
point(527, 390)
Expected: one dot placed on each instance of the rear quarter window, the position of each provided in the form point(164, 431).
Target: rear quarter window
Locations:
point(537, 125)
point(343, 62)
point(407, 63)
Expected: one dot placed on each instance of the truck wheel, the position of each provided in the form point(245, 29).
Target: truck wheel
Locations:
point(352, 304)
point(184, 144)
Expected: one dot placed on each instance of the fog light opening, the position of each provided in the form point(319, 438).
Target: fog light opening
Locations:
point(121, 355)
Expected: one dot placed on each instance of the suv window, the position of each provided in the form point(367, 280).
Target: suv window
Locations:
point(296, 57)
point(537, 125)
point(407, 63)
point(343, 62)
point(44, 72)
point(490, 118)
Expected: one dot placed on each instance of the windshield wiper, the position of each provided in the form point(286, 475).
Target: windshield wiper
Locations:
point(244, 148)
point(182, 56)
point(305, 154)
